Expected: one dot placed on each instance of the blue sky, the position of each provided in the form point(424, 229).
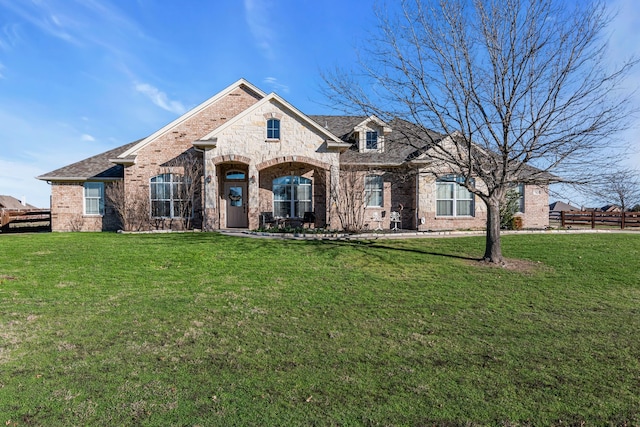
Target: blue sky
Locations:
point(79, 77)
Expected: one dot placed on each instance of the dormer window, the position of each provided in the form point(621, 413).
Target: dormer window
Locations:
point(273, 129)
point(370, 135)
point(371, 142)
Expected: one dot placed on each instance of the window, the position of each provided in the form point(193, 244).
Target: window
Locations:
point(372, 140)
point(520, 190)
point(452, 199)
point(273, 129)
point(235, 175)
point(291, 196)
point(94, 198)
point(168, 198)
point(373, 190)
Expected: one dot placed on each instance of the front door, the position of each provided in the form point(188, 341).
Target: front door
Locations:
point(236, 195)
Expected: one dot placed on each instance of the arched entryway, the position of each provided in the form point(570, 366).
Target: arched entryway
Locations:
point(233, 194)
point(292, 190)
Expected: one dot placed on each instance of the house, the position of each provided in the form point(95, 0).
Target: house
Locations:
point(246, 159)
point(10, 203)
point(561, 206)
point(610, 208)
point(20, 216)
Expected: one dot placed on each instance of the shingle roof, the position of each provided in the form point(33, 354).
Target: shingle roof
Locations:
point(401, 145)
point(96, 167)
point(562, 206)
point(9, 202)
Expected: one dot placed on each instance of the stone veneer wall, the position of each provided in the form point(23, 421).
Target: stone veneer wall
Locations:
point(318, 185)
point(426, 216)
point(300, 150)
point(536, 213)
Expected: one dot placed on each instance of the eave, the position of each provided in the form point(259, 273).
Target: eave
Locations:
point(206, 144)
point(124, 161)
point(337, 146)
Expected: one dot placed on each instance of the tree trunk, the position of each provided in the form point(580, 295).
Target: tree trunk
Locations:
point(493, 249)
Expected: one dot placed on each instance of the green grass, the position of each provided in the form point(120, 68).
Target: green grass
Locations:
point(204, 329)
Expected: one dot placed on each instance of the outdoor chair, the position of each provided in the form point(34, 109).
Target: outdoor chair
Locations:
point(267, 218)
point(309, 218)
point(395, 219)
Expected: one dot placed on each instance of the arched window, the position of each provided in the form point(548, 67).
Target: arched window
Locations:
point(273, 129)
point(169, 198)
point(235, 175)
point(291, 196)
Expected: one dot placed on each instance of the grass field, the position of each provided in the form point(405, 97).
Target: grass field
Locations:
point(204, 329)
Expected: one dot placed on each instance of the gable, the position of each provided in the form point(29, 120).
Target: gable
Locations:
point(274, 104)
point(246, 134)
point(202, 119)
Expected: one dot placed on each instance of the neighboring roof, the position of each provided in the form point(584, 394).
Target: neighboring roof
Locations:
point(9, 202)
point(98, 167)
point(189, 114)
point(561, 206)
point(610, 208)
point(270, 98)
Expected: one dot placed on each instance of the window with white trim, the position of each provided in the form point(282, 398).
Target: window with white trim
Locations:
point(291, 196)
point(452, 199)
point(168, 198)
point(373, 190)
point(94, 198)
point(273, 129)
point(371, 141)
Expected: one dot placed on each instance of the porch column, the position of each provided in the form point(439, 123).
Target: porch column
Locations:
point(253, 197)
point(210, 220)
point(334, 186)
point(424, 192)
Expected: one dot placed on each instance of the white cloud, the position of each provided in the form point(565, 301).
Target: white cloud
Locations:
point(88, 138)
point(277, 86)
point(160, 98)
point(9, 37)
point(40, 14)
point(261, 25)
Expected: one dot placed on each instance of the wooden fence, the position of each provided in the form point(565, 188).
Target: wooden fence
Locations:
point(594, 219)
point(25, 221)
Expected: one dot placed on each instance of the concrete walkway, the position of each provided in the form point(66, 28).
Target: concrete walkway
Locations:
point(402, 234)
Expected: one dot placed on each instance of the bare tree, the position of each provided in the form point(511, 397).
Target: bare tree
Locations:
point(132, 211)
point(621, 188)
point(518, 89)
point(350, 199)
point(189, 170)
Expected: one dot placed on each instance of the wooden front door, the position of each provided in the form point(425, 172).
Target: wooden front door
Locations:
point(236, 195)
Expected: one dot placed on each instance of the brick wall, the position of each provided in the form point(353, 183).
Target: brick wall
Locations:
point(67, 210)
point(536, 207)
point(156, 157)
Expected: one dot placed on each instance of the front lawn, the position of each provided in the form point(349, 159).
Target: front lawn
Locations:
point(204, 329)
